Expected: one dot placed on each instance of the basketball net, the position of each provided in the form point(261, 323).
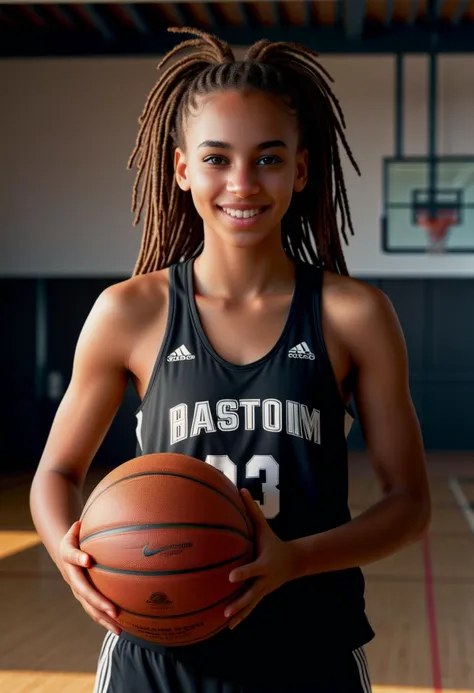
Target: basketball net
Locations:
point(437, 228)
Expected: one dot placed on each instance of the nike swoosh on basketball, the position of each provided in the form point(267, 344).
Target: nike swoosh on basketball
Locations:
point(147, 552)
point(160, 549)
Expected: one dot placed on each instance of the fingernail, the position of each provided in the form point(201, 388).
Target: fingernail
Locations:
point(227, 613)
point(110, 613)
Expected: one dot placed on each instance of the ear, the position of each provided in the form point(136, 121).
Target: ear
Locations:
point(181, 169)
point(301, 171)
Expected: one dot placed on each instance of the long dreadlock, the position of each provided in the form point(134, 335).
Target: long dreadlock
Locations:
point(173, 230)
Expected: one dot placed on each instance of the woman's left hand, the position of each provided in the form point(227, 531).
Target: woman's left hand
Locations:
point(273, 566)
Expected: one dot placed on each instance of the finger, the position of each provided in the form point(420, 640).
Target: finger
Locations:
point(83, 590)
point(249, 597)
point(239, 617)
point(247, 571)
point(101, 618)
point(73, 533)
point(75, 528)
point(76, 556)
point(254, 508)
point(70, 550)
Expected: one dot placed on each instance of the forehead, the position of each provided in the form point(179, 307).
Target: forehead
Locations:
point(240, 118)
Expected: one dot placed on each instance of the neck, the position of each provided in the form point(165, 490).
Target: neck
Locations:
point(243, 273)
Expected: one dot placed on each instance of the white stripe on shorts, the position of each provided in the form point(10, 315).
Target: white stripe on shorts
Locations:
point(104, 668)
point(363, 667)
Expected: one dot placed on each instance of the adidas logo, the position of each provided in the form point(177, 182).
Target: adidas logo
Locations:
point(301, 351)
point(182, 353)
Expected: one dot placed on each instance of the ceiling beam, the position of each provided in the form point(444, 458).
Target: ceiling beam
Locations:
point(184, 16)
point(324, 39)
point(6, 19)
point(135, 13)
point(277, 13)
point(97, 19)
point(460, 11)
point(413, 11)
point(389, 12)
point(354, 16)
point(211, 14)
point(246, 14)
point(63, 14)
point(36, 16)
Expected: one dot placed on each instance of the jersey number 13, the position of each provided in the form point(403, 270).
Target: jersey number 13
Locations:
point(258, 463)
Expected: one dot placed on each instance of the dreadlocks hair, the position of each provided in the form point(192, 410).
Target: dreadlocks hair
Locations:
point(173, 230)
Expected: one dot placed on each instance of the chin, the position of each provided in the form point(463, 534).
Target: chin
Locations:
point(242, 239)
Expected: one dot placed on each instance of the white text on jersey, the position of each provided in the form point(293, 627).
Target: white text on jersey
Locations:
point(230, 414)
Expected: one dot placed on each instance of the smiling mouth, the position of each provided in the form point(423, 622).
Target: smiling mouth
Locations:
point(243, 213)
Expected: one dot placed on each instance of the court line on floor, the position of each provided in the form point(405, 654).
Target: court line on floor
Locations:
point(464, 505)
point(431, 613)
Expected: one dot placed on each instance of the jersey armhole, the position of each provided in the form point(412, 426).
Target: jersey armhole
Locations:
point(166, 337)
point(348, 409)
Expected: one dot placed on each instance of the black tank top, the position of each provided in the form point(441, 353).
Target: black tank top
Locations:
point(277, 426)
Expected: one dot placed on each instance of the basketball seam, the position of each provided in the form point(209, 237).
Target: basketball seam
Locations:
point(175, 474)
point(157, 573)
point(163, 525)
point(231, 595)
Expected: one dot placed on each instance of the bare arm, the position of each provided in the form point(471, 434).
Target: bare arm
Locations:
point(98, 383)
point(391, 430)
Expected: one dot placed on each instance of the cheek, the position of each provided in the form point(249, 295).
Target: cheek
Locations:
point(205, 184)
point(281, 187)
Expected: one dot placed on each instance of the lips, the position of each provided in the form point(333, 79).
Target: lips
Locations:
point(242, 213)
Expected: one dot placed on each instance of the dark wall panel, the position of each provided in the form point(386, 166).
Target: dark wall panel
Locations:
point(19, 425)
point(448, 420)
point(409, 300)
point(69, 303)
point(452, 327)
point(437, 318)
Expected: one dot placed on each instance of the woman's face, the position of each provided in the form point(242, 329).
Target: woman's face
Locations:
point(241, 164)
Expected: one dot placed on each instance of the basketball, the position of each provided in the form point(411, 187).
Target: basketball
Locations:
point(163, 532)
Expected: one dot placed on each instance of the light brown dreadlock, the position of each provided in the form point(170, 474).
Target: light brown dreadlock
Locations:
point(173, 229)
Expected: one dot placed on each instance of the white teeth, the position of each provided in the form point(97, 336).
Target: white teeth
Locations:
point(242, 214)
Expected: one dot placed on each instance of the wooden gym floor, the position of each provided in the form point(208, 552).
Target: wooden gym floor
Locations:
point(420, 601)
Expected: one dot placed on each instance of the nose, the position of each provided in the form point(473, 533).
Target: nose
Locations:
point(243, 181)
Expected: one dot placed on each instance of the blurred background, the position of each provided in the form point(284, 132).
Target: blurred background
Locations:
point(74, 78)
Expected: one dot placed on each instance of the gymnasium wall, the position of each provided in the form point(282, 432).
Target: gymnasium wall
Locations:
point(68, 126)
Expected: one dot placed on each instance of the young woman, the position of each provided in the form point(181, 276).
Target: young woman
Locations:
point(247, 341)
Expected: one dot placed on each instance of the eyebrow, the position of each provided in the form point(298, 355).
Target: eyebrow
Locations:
point(225, 145)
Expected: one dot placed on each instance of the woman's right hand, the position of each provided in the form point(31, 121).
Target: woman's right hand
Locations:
point(71, 563)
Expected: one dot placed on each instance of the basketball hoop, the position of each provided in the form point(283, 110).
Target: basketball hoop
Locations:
point(437, 227)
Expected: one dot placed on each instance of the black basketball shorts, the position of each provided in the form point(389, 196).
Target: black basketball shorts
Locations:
point(125, 667)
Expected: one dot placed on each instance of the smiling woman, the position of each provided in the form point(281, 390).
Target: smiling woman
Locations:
point(246, 341)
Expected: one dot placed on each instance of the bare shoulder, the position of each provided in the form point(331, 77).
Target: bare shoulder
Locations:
point(136, 299)
point(121, 314)
point(360, 313)
point(130, 304)
point(348, 294)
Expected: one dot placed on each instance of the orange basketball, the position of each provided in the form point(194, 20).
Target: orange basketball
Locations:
point(164, 531)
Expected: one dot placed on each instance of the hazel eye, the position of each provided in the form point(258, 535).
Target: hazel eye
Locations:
point(214, 160)
point(270, 160)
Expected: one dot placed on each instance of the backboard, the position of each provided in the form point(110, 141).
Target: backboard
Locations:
point(419, 217)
